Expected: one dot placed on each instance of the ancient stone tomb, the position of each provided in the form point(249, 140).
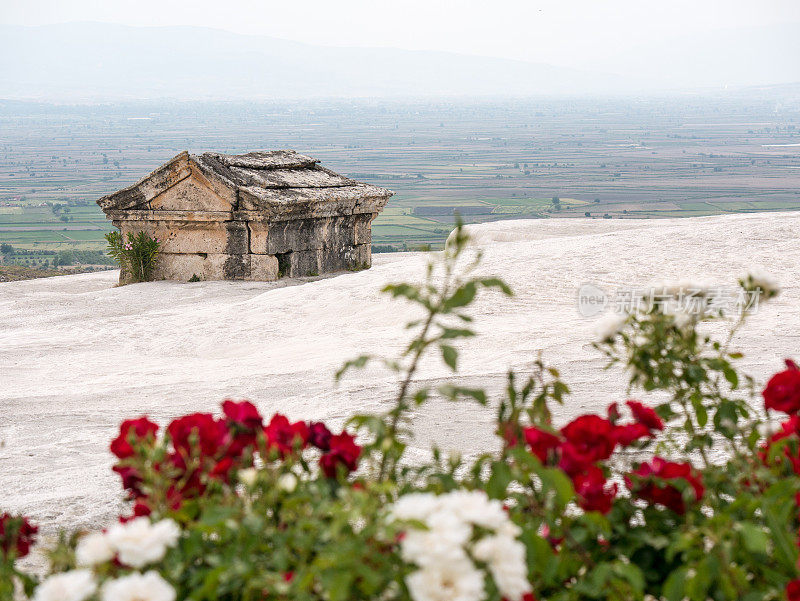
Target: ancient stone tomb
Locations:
point(255, 216)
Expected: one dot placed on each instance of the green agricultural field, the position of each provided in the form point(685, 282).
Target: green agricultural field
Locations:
point(493, 160)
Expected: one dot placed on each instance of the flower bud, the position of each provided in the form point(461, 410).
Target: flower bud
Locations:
point(248, 476)
point(287, 482)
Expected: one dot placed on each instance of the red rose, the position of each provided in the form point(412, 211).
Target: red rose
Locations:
point(284, 436)
point(544, 532)
point(630, 433)
point(793, 590)
point(645, 415)
point(131, 479)
point(344, 451)
point(783, 390)
point(243, 414)
point(222, 469)
point(790, 427)
point(319, 436)
point(589, 438)
point(509, 434)
point(139, 509)
point(593, 495)
point(17, 535)
point(136, 430)
point(661, 493)
point(541, 442)
point(187, 481)
point(198, 432)
point(525, 597)
point(244, 422)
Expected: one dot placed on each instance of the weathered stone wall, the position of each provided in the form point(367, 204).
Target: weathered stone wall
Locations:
point(256, 250)
point(257, 216)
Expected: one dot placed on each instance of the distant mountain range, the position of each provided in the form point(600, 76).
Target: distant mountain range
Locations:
point(98, 61)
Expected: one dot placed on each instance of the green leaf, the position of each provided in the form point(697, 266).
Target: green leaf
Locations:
point(449, 333)
point(357, 363)
point(337, 583)
point(499, 480)
point(463, 296)
point(215, 515)
point(405, 290)
point(557, 481)
point(700, 411)
point(731, 375)
point(697, 586)
point(778, 506)
point(420, 396)
point(675, 585)
point(497, 283)
point(454, 392)
point(449, 355)
point(755, 538)
point(632, 573)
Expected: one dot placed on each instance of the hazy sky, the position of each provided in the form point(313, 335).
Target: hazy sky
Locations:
point(566, 32)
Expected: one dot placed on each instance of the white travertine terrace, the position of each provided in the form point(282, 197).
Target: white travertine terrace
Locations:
point(79, 355)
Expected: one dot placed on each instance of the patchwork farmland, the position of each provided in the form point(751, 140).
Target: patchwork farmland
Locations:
point(485, 161)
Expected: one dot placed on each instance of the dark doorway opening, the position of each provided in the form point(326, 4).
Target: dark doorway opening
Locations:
point(284, 263)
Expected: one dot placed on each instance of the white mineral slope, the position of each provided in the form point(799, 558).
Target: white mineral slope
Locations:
point(78, 355)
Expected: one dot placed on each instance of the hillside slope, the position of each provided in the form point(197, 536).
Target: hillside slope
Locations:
point(80, 355)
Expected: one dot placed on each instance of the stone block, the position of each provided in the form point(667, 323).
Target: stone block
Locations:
point(358, 257)
point(211, 266)
point(350, 257)
point(305, 234)
point(170, 266)
point(194, 237)
point(263, 268)
point(238, 238)
point(304, 263)
point(295, 236)
point(362, 227)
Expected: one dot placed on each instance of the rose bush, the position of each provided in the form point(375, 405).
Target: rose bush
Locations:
point(692, 496)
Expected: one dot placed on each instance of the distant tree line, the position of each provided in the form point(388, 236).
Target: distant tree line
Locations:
point(83, 257)
point(61, 257)
point(384, 248)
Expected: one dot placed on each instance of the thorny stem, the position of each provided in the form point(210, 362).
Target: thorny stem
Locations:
point(400, 404)
point(693, 432)
point(400, 401)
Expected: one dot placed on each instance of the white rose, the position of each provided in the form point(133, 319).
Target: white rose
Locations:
point(92, 549)
point(758, 278)
point(415, 506)
point(139, 542)
point(442, 543)
point(683, 318)
point(287, 482)
point(475, 507)
point(248, 476)
point(455, 581)
point(138, 587)
point(609, 326)
point(505, 557)
point(76, 585)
